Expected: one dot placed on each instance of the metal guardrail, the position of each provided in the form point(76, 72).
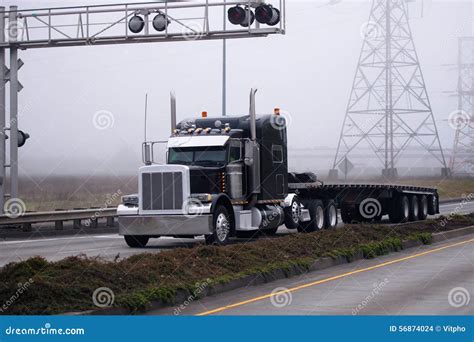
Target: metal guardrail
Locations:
point(91, 216)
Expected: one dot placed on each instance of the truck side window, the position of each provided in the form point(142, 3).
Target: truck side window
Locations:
point(277, 154)
point(235, 152)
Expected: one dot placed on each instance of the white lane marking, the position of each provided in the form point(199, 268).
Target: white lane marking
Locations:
point(61, 238)
point(91, 250)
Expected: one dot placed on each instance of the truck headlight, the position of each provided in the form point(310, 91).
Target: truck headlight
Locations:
point(203, 198)
point(130, 200)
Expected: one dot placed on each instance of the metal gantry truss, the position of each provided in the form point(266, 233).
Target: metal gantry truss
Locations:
point(108, 24)
point(462, 159)
point(22, 29)
point(389, 109)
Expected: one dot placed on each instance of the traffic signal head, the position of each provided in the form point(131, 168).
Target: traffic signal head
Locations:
point(267, 14)
point(241, 16)
point(22, 137)
point(136, 24)
point(160, 22)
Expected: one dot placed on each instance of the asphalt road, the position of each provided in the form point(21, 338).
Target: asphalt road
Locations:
point(110, 246)
point(430, 280)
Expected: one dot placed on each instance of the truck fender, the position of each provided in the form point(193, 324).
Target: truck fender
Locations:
point(289, 199)
point(224, 200)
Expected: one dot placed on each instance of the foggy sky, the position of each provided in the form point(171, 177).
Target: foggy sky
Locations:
point(308, 73)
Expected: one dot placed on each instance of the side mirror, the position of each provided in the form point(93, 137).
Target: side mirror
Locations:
point(249, 152)
point(147, 153)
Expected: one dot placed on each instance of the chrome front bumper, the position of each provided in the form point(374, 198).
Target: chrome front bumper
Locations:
point(165, 225)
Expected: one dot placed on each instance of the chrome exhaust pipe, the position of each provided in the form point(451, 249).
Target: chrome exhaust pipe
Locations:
point(173, 111)
point(252, 151)
point(253, 115)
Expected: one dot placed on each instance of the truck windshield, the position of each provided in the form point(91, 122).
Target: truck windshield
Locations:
point(201, 156)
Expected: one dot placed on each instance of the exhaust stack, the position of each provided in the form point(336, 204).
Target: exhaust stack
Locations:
point(173, 111)
point(252, 153)
point(253, 115)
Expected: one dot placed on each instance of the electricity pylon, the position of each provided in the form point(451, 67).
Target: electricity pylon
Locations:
point(389, 109)
point(462, 159)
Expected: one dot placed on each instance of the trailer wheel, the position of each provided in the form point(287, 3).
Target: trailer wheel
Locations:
point(414, 209)
point(400, 210)
point(221, 223)
point(316, 212)
point(330, 215)
point(293, 213)
point(423, 207)
point(432, 205)
point(136, 241)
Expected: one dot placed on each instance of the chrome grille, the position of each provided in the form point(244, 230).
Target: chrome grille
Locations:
point(162, 191)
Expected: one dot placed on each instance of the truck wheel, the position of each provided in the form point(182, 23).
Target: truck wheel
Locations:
point(293, 214)
point(316, 212)
point(330, 215)
point(432, 205)
point(222, 227)
point(400, 210)
point(423, 208)
point(414, 209)
point(136, 241)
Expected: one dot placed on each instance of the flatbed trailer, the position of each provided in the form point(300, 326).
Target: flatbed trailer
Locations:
point(370, 202)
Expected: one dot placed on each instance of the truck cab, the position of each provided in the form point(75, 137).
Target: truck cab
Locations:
point(224, 176)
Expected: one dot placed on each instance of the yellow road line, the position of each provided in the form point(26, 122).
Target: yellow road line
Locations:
point(322, 281)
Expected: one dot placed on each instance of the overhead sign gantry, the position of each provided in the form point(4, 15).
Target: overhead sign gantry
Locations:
point(147, 22)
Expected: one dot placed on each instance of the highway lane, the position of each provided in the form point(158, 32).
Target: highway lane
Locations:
point(412, 282)
point(110, 246)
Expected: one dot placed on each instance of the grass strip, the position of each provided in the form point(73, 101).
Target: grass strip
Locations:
point(68, 285)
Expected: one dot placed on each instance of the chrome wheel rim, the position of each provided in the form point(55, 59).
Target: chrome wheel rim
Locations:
point(319, 217)
point(415, 209)
point(406, 209)
point(332, 216)
point(222, 227)
point(295, 212)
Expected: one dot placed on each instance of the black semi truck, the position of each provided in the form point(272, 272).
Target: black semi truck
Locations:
point(228, 176)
